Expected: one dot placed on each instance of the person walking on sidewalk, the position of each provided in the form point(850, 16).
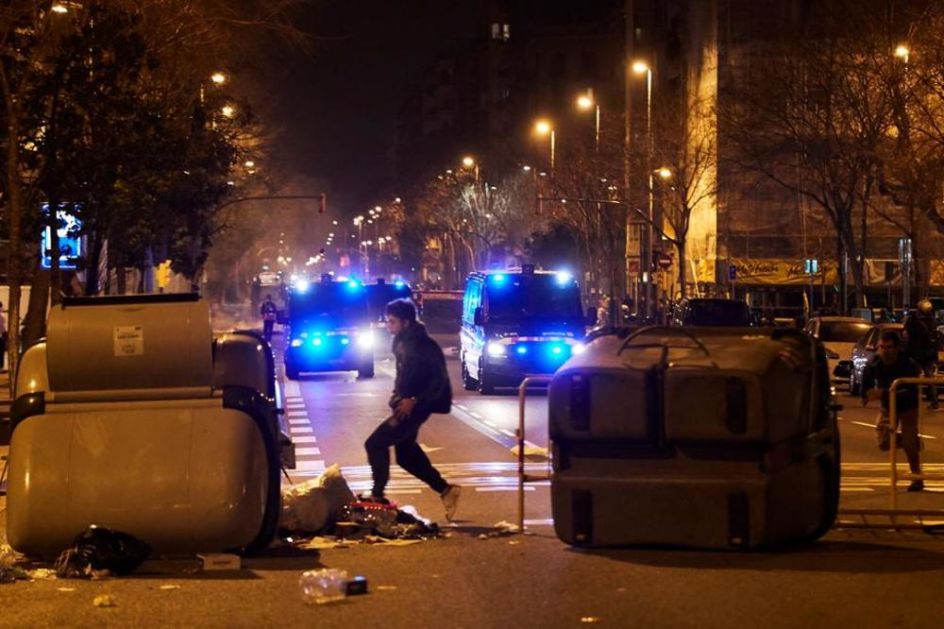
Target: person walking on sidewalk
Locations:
point(269, 313)
point(890, 364)
point(421, 388)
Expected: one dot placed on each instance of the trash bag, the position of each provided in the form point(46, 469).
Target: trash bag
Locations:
point(360, 519)
point(311, 506)
point(101, 549)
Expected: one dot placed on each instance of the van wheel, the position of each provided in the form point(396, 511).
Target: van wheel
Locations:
point(367, 371)
point(468, 382)
point(485, 384)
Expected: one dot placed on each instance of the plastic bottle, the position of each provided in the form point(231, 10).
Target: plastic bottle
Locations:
point(323, 586)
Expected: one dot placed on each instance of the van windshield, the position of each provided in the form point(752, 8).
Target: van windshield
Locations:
point(535, 297)
point(331, 304)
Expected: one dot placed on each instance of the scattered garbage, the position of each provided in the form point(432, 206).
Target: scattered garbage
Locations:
point(104, 600)
point(323, 586)
point(358, 520)
point(356, 586)
point(99, 552)
point(532, 451)
point(170, 586)
point(385, 588)
point(501, 529)
point(41, 574)
point(313, 505)
point(9, 571)
point(65, 589)
point(220, 561)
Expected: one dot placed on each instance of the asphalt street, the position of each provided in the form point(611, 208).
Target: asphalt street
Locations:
point(874, 578)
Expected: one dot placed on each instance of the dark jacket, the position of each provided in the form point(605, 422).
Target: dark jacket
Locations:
point(921, 337)
point(421, 371)
point(878, 374)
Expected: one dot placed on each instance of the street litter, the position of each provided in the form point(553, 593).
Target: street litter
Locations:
point(170, 586)
point(65, 589)
point(590, 619)
point(220, 561)
point(385, 588)
point(104, 600)
point(41, 574)
point(323, 586)
point(501, 529)
point(532, 451)
point(9, 571)
point(100, 552)
point(311, 506)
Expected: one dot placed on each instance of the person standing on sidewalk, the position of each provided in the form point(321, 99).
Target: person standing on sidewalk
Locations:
point(922, 340)
point(890, 364)
point(421, 388)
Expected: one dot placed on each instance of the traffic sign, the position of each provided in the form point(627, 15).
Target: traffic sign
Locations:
point(664, 260)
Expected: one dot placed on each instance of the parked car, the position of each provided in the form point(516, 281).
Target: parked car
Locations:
point(864, 352)
point(839, 335)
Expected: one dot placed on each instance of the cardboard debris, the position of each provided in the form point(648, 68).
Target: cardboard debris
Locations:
point(221, 561)
point(104, 600)
point(532, 451)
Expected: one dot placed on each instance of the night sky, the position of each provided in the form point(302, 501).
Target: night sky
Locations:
point(337, 106)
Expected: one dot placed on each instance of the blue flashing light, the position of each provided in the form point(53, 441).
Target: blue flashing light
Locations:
point(498, 277)
point(522, 350)
point(316, 341)
point(557, 350)
point(353, 284)
point(399, 284)
point(345, 341)
point(302, 285)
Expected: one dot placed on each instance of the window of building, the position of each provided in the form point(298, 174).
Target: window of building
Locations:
point(501, 32)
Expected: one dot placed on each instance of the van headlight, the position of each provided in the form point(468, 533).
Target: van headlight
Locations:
point(365, 339)
point(496, 349)
point(577, 348)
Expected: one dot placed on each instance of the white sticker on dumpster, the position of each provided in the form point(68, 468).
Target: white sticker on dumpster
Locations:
point(129, 340)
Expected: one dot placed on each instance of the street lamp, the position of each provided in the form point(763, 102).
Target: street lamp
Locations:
point(59, 8)
point(228, 111)
point(542, 128)
point(218, 77)
point(664, 172)
point(640, 68)
point(902, 52)
point(586, 102)
point(469, 162)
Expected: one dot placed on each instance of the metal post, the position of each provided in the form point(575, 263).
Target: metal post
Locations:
point(596, 135)
point(649, 231)
point(553, 139)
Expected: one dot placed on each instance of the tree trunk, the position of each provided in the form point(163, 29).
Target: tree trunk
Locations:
point(122, 280)
point(34, 324)
point(55, 275)
point(14, 203)
point(92, 264)
point(682, 268)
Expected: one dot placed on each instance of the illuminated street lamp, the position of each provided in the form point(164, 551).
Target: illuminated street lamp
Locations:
point(249, 164)
point(59, 8)
point(218, 77)
point(902, 52)
point(543, 128)
point(586, 102)
point(228, 111)
point(664, 172)
point(469, 163)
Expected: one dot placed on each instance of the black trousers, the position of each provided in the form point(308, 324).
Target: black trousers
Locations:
point(409, 454)
point(267, 327)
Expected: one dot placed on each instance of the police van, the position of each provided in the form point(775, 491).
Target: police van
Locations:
point(329, 328)
point(517, 323)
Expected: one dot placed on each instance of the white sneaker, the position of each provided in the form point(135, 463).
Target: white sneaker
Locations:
point(450, 499)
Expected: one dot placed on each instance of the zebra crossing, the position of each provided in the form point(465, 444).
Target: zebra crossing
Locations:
point(308, 458)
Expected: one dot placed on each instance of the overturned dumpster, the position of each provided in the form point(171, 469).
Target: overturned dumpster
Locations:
point(130, 416)
point(715, 438)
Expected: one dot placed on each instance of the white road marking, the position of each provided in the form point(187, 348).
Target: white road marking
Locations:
point(491, 489)
point(403, 491)
point(303, 430)
point(508, 432)
point(307, 451)
point(427, 449)
point(310, 466)
point(540, 522)
point(299, 421)
point(305, 439)
point(873, 426)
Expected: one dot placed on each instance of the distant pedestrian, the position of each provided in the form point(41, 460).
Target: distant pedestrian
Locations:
point(922, 342)
point(421, 388)
point(890, 364)
point(269, 313)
